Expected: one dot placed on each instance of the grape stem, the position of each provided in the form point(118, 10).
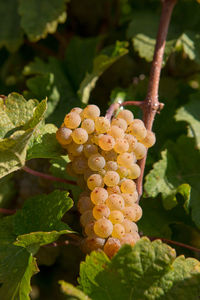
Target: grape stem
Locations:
point(111, 110)
point(174, 243)
point(47, 176)
point(6, 211)
point(151, 105)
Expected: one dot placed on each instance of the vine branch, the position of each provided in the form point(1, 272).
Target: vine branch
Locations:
point(175, 243)
point(47, 176)
point(151, 104)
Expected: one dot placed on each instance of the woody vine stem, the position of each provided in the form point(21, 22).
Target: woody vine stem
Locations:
point(151, 105)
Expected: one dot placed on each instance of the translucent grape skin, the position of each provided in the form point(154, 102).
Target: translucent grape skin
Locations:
point(63, 135)
point(95, 180)
point(116, 132)
point(90, 149)
point(129, 226)
point(103, 228)
point(92, 243)
point(75, 149)
point(113, 190)
point(111, 178)
point(140, 151)
point(149, 140)
point(88, 125)
point(130, 199)
point(115, 202)
point(126, 115)
point(72, 120)
point(121, 145)
point(86, 217)
point(126, 159)
point(89, 229)
point(134, 171)
point(116, 216)
point(111, 246)
point(137, 129)
point(128, 239)
point(118, 231)
point(101, 211)
point(80, 136)
point(84, 204)
point(121, 123)
point(91, 111)
point(77, 110)
point(96, 162)
point(106, 142)
point(111, 166)
point(128, 186)
point(102, 124)
point(99, 195)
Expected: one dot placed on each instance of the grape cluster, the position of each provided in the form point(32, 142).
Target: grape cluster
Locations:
point(104, 157)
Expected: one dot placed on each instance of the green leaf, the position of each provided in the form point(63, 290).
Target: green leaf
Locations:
point(40, 18)
point(43, 213)
point(79, 57)
point(7, 190)
point(15, 274)
point(143, 35)
point(189, 43)
point(43, 144)
point(101, 63)
point(13, 149)
point(15, 112)
point(37, 223)
point(11, 35)
point(42, 86)
point(58, 169)
point(65, 91)
point(190, 114)
point(69, 289)
point(171, 176)
point(149, 270)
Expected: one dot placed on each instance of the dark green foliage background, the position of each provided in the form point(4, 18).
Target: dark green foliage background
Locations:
point(89, 51)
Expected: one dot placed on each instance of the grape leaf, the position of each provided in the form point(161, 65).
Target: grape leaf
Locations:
point(42, 86)
point(15, 112)
point(190, 114)
point(69, 289)
point(189, 43)
point(149, 270)
point(143, 35)
point(181, 176)
point(40, 18)
point(13, 149)
point(43, 144)
point(65, 91)
point(11, 34)
point(58, 169)
point(38, 223)
point(101, 63)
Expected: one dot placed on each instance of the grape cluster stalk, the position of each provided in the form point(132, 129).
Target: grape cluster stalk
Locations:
point(104, 156)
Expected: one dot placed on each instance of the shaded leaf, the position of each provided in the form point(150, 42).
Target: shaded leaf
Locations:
point(11, 34)
point(171, 176)
point(101, 63)
point(190, 114)
point(40, 18)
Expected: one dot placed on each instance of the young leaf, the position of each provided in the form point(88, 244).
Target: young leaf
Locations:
point(38, 223)
point(40, 18)
point(15, 112)
point(13, 149)
point(149, 270)
point(70, 290)
point(11, 34)
point(101, 63)
point(190, 114)
point(170, 177)
point(65, 91)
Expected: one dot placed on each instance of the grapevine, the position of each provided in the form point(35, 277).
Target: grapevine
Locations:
point(104, 157)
